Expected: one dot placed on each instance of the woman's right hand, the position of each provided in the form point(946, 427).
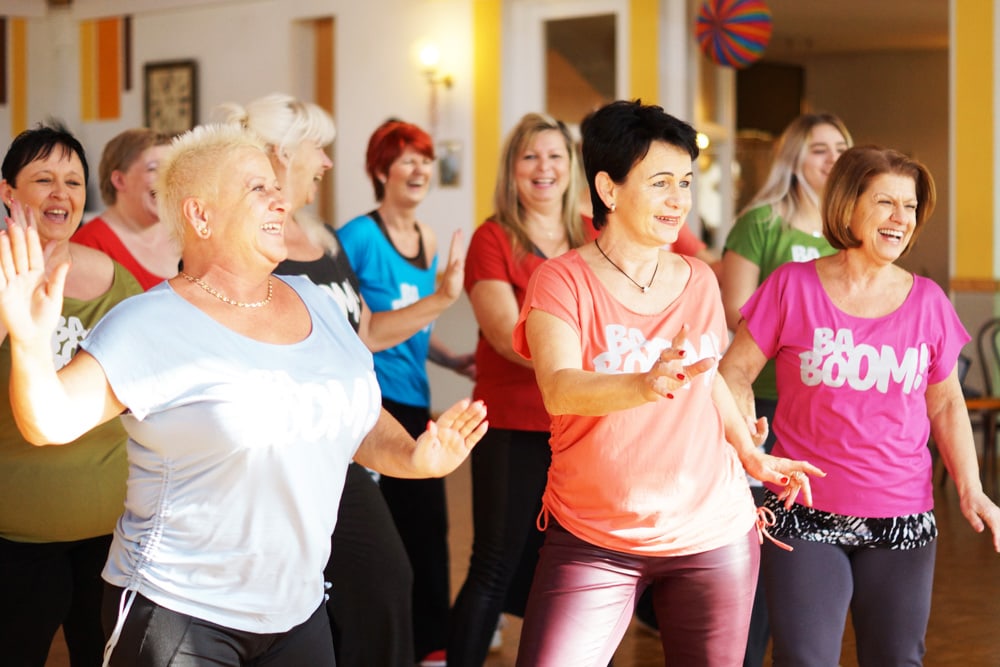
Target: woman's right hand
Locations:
point(30, 300)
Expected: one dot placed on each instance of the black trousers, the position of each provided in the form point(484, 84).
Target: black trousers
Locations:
point(370, 602)
point(509, 472)
point(420, 511)
point(43, 586)
point(154, 636)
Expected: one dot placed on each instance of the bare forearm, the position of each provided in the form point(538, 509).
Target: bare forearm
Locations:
point(592, 394)
point(388, 328)
point(39, 401)
point(734, 423)
point(953, 437)
point(740, 387)
point(388, 448)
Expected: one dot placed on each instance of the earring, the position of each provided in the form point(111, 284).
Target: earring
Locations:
point(204, 232)
point(613, 205)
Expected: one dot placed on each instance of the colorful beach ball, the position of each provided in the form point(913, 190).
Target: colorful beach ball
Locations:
point(733, 32)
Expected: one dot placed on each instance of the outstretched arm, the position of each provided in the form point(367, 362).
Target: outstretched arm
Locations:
point(733, 394)
point(568, 389)
point(388, 328)
point(49, 407)
point(390, 450)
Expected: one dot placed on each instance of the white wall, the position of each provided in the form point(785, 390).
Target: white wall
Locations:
point(249, 48)
point(898, 100)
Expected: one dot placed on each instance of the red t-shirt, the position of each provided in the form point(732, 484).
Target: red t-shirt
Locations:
point(658, 479)
point(508, 389)
point(98, 234)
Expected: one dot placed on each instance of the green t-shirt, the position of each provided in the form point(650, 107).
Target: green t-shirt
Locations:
point(768, 242)
point(67, 492)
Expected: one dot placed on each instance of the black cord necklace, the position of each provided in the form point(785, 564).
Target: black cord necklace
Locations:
point(643, 288)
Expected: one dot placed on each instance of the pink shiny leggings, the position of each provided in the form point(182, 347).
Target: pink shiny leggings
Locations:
point(583, 596)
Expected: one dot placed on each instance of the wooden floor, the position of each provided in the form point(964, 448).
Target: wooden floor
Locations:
point(965, 619)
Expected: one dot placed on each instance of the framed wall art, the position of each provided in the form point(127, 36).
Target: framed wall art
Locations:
point(170, 96)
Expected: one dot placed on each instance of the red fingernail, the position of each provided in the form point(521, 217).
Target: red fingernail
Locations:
point(429, 422)
point(680, 376)
point(783, 480)
point(670, 395)
point(680, 353)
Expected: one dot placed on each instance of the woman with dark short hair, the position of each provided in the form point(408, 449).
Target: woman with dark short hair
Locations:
point(647, 484)
point(58, 507)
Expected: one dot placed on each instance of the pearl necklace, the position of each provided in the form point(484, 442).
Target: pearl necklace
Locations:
point(643, 288)
point(225, 299)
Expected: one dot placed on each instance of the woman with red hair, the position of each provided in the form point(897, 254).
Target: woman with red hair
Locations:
point(395, 257)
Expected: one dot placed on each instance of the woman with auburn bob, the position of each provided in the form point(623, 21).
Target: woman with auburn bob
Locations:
point(129, 229)
point(647, 484)
point(866, 358)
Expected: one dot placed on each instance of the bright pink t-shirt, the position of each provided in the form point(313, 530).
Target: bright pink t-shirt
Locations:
point(658, 479)
point(852, 390)
point(98, 234)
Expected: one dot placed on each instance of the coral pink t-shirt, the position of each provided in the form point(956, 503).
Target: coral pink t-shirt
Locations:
point(658, 479)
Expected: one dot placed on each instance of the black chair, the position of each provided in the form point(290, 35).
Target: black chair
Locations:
point(988, 345)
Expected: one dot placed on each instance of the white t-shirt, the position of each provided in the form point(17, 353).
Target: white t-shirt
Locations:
point(237, 455)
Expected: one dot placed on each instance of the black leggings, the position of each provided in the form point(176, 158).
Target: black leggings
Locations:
point(369, 606)
point(809, 591)
point(509, 471)
point(420, 512)
point(154, 636)
point(43, 586)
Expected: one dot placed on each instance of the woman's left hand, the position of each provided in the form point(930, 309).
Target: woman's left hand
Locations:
point(453, 278)
point(788, 473)
point(449, 439)
point(980, 512)
point(669, 374)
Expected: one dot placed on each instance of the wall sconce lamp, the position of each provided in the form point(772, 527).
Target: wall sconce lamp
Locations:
point(430, 60)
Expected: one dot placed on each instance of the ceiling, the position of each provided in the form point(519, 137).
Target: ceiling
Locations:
point(801, 28)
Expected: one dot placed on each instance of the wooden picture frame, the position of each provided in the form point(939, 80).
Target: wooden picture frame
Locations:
point(170, 96)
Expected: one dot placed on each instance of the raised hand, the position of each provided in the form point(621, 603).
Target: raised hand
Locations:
point(30, 300)
point(669, 373)
point(454, 273)
point(447, 441)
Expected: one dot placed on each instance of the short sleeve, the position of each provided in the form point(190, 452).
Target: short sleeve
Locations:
point(552, 291)
point(747, 237)
point(954, 335)
point(764, 312)
point(488, 255)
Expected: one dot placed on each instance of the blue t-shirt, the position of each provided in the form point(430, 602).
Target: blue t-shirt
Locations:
point(237, 455)
point(389, 282)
